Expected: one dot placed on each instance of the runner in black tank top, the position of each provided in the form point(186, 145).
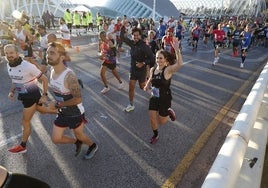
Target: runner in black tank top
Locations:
point(159, 82)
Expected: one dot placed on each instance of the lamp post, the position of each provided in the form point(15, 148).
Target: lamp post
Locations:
point(221, 8)
point(154, 1)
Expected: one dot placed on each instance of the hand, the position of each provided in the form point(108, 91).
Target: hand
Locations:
point(175, 44)
point(43, 99)
point(11, 96)
point(51, 105)
point(140, 64)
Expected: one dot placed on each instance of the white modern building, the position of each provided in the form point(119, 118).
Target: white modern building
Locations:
point(138, 8)
point(144, 8)
point(33, 7)
point(217, 7)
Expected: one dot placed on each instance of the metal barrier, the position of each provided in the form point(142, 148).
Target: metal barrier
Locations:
point(227, 171)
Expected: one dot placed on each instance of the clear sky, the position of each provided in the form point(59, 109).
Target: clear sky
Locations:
point(89, 2)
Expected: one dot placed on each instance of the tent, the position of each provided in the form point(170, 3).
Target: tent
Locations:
point(81, 8)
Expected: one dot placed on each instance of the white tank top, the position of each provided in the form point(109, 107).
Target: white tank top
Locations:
point(43, 41)
point(20, 35)
point(62, 94)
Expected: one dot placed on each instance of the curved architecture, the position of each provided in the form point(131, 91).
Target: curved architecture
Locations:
point(221, 7)
point(33, 7)
point(144, 8)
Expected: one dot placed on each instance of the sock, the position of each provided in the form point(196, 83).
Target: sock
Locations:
point(243, 58)
point(92, 146)
point(77, 142)
point(155, 133)
point(23, 144)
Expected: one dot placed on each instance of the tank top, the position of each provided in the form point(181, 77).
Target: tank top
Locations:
point(167, 44)
point(20, 35)
point(63, 94)
point(109, 53)
point(160, 86)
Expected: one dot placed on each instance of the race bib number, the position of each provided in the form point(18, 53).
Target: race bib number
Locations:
point(20, 88)
point(59, 99)
point(155, 92)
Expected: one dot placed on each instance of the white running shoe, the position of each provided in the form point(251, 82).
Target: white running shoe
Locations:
point(105, 90)
point(241, 65)
point(129, 108)
point(121, 86)
point(215, 61)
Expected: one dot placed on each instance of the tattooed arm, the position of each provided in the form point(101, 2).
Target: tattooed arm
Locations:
point(72, 84)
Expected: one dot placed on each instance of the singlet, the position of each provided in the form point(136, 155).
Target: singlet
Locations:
point(63, 94)
point(236, 36)
point(20, 35)
point(109, 53)
point(179, 30)
point(196, 32)
point(160, 86)
point(167, 44)
point(44, 41)
point(117, 28)
point(65, 36)
point(245, 42)
point(219, 35)
point(24, 77)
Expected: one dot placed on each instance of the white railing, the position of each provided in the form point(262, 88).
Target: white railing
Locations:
point(244, 145)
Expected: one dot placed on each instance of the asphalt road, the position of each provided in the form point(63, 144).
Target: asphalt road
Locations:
point(206, 100)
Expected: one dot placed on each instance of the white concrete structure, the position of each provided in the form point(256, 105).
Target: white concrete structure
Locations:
point(239, 162)
point(33, 7)
point(235, 7)
point(143, 8)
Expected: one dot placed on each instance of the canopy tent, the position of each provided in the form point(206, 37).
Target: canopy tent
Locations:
point(81, 8)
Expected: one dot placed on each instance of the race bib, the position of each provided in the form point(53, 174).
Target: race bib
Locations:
point(155, 92)
point(59, 99)
point(20, 88)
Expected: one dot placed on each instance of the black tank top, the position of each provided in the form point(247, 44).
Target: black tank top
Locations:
point(159, 81)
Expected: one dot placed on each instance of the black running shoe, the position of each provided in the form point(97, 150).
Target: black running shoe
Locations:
point(81, 83)
point(91, 151)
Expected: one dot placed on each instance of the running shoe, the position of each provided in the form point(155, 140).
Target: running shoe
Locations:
point(18, 149)
point(216, 60)
point(129, 108)
point(105, 90)
point(172, 114)
point(81, 83)
point(91, 151)
point(78, 147)
point(154, 139)
point(241, 65)
point(121, 86)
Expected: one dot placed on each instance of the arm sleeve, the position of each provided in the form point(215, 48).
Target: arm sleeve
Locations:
point(150, 58)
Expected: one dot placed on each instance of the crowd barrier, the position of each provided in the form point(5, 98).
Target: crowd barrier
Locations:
point(239, 162)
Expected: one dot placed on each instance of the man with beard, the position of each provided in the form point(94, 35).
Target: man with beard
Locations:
point(141, 58)
point(25, 76)
point(71, 112)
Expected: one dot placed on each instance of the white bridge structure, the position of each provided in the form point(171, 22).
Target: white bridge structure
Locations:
point(33, 8)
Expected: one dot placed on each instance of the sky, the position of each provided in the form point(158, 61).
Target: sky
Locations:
point(89, 2)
